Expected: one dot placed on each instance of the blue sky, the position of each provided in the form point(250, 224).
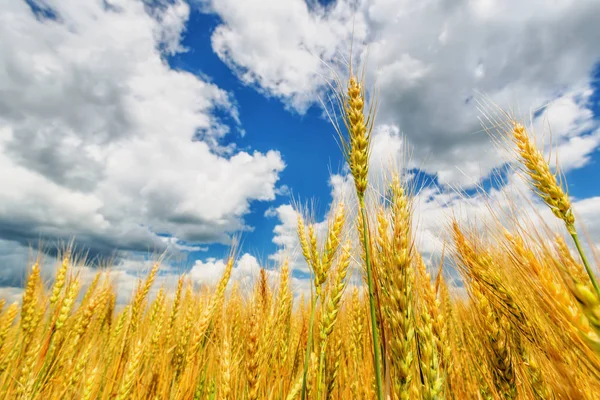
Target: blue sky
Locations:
point(175, 124)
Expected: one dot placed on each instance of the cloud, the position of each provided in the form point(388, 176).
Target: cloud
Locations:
point(285, 236)
point(587, 211)
point(245, 273)
point(567, 129)
point(282, 54)
point(285, 233)
point(515, 53)
point(102, 140)
point(11, 294)
point(124, 273)
point(14, 259)
point(209, 272)
point(430, 60)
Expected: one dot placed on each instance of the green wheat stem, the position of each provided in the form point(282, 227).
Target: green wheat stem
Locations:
point(308, 345)
point(586, 263)
point(320, 376)
point(376, 348)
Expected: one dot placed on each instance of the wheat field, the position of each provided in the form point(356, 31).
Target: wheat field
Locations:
point(521, 323)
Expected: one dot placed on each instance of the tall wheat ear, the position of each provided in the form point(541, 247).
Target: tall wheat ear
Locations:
point(393, 258)
point(355, 139)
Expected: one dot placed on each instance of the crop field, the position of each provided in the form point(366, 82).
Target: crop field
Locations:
point(522, 321)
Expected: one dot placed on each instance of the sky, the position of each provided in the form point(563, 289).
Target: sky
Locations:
point(135, 127)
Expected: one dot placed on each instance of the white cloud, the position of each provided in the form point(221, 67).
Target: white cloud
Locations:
point(286, 238)
point(11, 294)
point(209, 272)
point(285, 233)
point(588, 212)
point(281, 53)
point(429, 60)
point(567, 129)
point(96, 131)
point(245, 272)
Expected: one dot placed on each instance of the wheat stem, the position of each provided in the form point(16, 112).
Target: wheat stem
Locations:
point(308, 345)
point(586, 263)
point(374, 332)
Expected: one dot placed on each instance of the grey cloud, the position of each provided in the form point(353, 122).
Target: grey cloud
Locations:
point(516, 60)
point(99, 136)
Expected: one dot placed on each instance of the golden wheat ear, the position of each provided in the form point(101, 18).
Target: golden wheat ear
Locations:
point(356, 145)
point(548, 187)
point(507, 131)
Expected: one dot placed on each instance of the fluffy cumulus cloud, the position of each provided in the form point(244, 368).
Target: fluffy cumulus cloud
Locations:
point(285, 236)
point(285, 233)
point(102, 140)
point(588, 211)
point(431, 60)
point(245, 273)
point(567, 129)
point(284, 53)
point(519, 54)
